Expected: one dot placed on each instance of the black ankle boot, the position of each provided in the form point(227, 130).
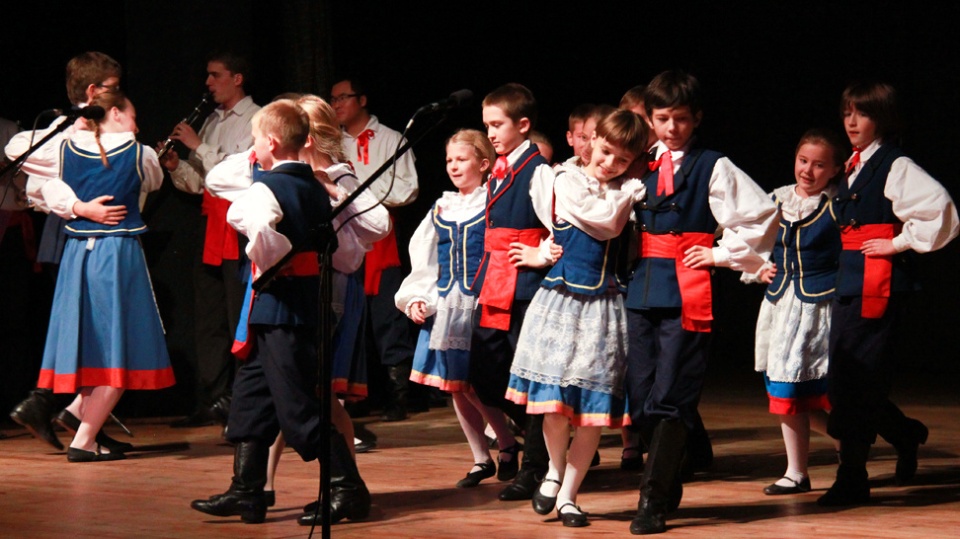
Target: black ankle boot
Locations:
point(349, 497)
point(658, 486)
point(398, 392)
point(35, 414)
point(245, 496)
point(852, 486)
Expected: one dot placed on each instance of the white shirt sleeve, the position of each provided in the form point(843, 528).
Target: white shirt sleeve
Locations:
point(370, 226)
point(421, 284)
point(231, 177)
point(152, 171)
point(602, 215)
point(747, 216)
point(255, 214)
point(928, 213)
point(405, 187)
point(42, 165)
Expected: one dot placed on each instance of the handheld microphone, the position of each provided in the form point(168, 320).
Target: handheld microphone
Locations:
point(456, 99)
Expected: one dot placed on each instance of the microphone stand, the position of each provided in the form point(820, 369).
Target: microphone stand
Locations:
point(18, 162)
point(326, 234)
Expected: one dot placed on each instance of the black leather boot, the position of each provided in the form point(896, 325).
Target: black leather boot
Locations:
point(658, 486)
point(852, 486)
point(245, 496)
point(35, 414)
point(398, 392)
point(533, 465)
point(349, 497)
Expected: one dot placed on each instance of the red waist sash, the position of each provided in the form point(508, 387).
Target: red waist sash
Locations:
point(696, 295)
point(383, 255)
point(221, 242)
point(500, 280)
point(877, 270)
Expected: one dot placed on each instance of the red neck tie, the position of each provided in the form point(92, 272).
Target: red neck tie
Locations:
point(363, 146)
point(854, 160)
point(500, 168)
point(665, 180)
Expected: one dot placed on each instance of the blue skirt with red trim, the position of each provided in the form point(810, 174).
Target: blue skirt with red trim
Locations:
point(791, 398)
point(105, 329)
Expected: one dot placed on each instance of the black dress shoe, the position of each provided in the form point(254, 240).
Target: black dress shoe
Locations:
point(543, 504)
point(352, 505)
point(70, 422)
point(845, 492)
point(79, 455)
point(907, 452)
point(507, 469)
point(522, 488)
point(35, 413)
point(798, 487)
point(572, 519)
point(364, 446)
point(487, 469)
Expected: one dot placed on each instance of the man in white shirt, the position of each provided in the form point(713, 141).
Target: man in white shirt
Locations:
point(218, 292)
point(369, 144)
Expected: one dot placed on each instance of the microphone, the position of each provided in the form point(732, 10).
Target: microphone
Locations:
point(93, 112)
point(456, 99)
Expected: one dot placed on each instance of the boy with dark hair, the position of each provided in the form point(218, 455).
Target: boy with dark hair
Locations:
point(275, 388)
point(691, 192)
point(518, 214)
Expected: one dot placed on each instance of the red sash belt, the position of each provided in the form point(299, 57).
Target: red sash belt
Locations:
point(500, 280)
point(383, 255)
point(877, 270)
point(221, 242)
point(305, 264)
point(696, 296)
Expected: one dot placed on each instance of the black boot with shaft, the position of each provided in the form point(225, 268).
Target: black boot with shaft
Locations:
point(245, 495)
point(661, 476)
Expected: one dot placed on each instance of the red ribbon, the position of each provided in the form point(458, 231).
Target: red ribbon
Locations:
point(221, 241)
point(500, 168)
point(500, 279)
point(696, 293)
point(665, 179)
point(363, 146)
point(877, 270)
point(854, 159)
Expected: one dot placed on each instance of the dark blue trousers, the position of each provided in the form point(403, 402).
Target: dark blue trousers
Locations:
point(276, 390)
point(666, 365)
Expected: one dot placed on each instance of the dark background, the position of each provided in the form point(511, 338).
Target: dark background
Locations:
point(769, 71)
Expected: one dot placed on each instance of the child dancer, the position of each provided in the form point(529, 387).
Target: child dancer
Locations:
point(690, 193)
point(794, 321)
point(887, 207)
point(571, 354)
point(105, 334)
point(445, 251)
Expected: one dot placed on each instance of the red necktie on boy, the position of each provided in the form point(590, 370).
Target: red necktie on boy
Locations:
point(363, 146)
point(665, 180)
point(854, 160)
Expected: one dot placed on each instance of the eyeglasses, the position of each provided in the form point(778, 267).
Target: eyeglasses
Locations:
point(340, 98)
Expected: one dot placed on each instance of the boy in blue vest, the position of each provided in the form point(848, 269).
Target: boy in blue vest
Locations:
point(518, 214)
point(690, 193)
point(275, 389)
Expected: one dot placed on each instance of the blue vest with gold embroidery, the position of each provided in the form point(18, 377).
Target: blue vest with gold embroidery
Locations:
point(84, 172)
point(864, 203)
point(588, 266)
point(806, 255)
point(654, 282)
point(459, 251)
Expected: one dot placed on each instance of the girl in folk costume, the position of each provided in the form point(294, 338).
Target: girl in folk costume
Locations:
point(888, 209)
point(571, 356)
point(445, 251)
point(794, 322)
point(105, 334)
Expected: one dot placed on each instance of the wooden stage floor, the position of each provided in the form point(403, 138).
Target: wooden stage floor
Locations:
point(413, 472)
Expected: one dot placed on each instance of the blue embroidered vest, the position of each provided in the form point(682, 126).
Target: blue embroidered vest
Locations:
point(84, 172)
point(588, 266)
point(459, 252)
point(863, 203)
point(806, 254)
point(654, 281)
